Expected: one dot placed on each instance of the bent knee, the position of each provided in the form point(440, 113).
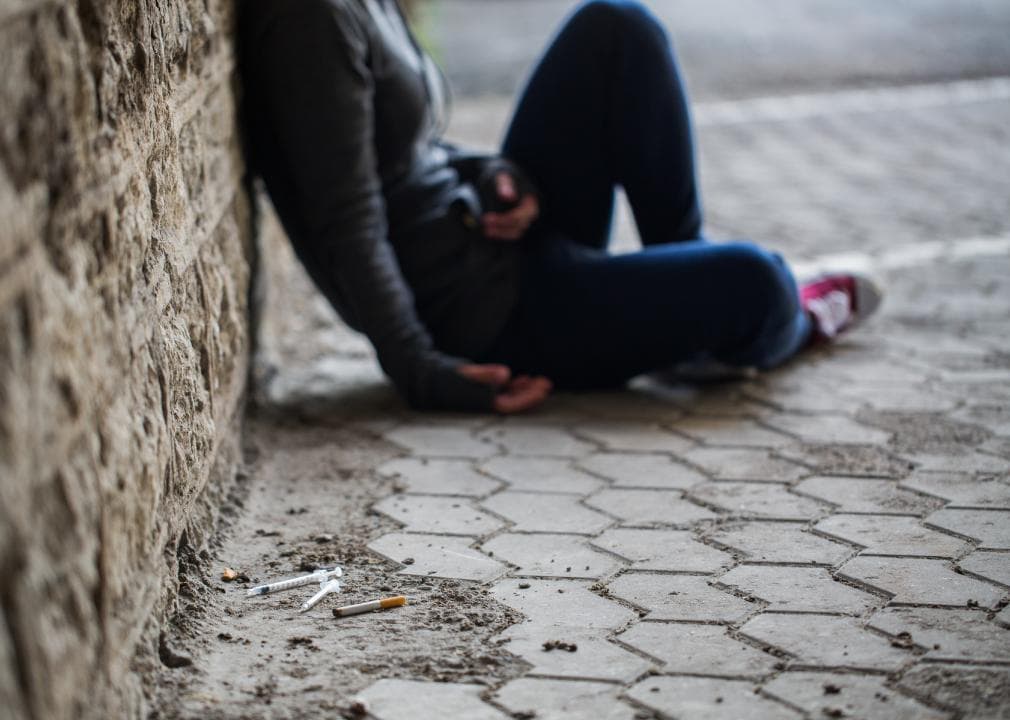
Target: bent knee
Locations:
point(627, 17)
point(759, 277)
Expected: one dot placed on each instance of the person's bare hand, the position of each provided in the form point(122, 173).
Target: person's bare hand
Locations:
point(511, 224)
point(512, 394)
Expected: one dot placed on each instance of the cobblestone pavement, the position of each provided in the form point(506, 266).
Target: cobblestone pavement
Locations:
point(828, 540)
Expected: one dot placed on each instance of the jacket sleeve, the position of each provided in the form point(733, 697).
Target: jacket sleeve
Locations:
point(315, 86)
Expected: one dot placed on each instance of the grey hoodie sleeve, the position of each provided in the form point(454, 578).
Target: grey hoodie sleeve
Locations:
point(311, 78)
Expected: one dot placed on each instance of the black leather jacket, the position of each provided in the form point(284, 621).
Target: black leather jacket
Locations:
point(343, 118)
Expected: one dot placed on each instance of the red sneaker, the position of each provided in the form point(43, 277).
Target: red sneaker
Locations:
point(837, 302)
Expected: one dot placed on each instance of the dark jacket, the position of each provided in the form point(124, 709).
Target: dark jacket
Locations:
point(343, 117)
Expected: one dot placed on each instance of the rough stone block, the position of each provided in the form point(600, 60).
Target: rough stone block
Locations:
point(560, 604)
point(732, 432)
point(595, 658)
point(962, 489)
point(698, 649)
point(672, 550)
point(540, 512)
point(649, 507)
point(990, 528)
point(531, 474)
point(386, 699)
point(947, 634)
point(828, 429)
point(779, 542)
point(758, 500)
point(439, 477)
point(991, 565)
point(680, 597)
point(799, 589)
point(642, 470)
point(437, 556)
point(633, 437)
point(696, 698)
point(432, 514)
point(859, 495)
point(427, 441)
point(892, 535)
point(917, 581)
point(537, 440)
point(551, 555)
point(744, 464)
point(563, 700)
point(976, 691)
point(836, 695)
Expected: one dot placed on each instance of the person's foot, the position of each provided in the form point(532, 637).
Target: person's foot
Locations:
point(839, 301)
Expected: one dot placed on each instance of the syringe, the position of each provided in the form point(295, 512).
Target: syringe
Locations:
point(319, 576)
point(325, 589)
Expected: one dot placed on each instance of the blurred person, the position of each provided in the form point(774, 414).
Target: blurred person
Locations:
point(485, 281)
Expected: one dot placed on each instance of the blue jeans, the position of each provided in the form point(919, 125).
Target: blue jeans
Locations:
point(606, 107)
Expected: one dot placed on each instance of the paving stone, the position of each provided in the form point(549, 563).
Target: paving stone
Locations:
point(644, 507)
point(862, 495)
point(977, 692)
point(680, 597)
point(808, 397)
point(695, 698)
point(731, 431)
point(758, 500)
point(552, 555)
point(672, 550)
point(917, 581)
point(545, 440)
point(539, 512)
point(947, 634)
point(995, 418)
point(870, 461)
point(564, 700)
point(991, 528)
point(595, 659)
point(825, 641)
point(892, 535)
point(556, 604)
point(698, 649)
point(848, 696)
point(531, 474)
point(435, 514)
point(643, 470)
point(799, 589)
point(744, 464)
point(828, 429)
point(437, 556)
point(972, 462)
point(634, 436)
point(893, 397)
point(779, 542)
point(993, 566)
point(439, 477)
point(963, 490)
point(388, 699)
point(441, 442)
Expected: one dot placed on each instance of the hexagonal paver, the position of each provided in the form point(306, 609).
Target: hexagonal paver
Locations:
point(595, 658)
point(539, 512)
point(435, 514)
point(732, 432)
point(439, 477)
point(438, 556)
point(633, 436)
point(947, 634)
point(563, 700)
point(847, 696)
point(991, 528)
point(900, 398)
point(547, 555)
point(695, 698)
point(802, 397)
point(973, 462)
point(561, 604)
point(870, 461)
point(680, 597)
point(918, 581)
point(642, 470)
point(673, 550)
point(441, 442)
point(862, 495)
point(779, 542)
point(698, 649)
point(799, 589)
point(536, 439)
point(828, 429)
point(649, 507)
point(546, 475)
point(744, 464)
point(387, 698)
point(758, 500)
point(825, 641)
point(892, 535)
point(963, 490)
point(978, 692)
point(990, 565)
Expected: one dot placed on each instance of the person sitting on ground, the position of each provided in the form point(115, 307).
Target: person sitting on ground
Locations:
point(484, 281)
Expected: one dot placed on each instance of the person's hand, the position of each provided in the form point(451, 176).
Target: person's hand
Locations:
point(510, 224)
point(512, 394)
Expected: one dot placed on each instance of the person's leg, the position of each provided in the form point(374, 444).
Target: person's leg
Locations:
point(606, 106)
point(589, 319)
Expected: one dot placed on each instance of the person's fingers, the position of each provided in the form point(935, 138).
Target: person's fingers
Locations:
point(506, 186)
point(523, 394)
point(490, 374)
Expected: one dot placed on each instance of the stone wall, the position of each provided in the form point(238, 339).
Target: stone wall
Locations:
point(125, 256)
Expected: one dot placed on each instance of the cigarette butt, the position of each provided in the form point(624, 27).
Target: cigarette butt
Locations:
point(384, 603)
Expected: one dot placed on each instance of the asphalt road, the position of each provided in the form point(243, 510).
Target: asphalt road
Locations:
point(743, 48)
